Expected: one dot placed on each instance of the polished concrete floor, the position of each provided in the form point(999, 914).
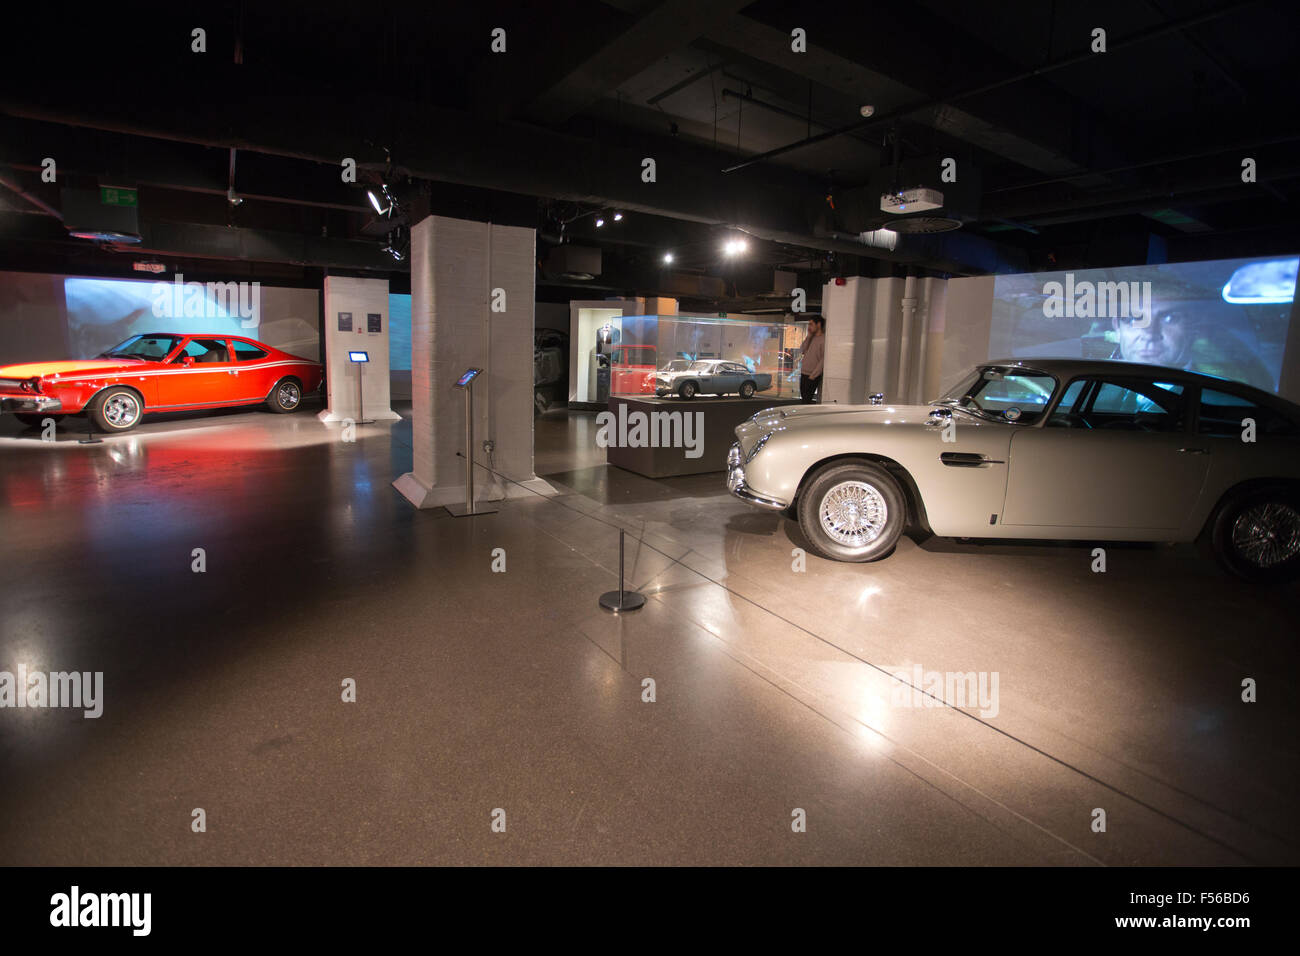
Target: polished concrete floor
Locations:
point(479, 690)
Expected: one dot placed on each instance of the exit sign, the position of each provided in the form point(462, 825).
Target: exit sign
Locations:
point(116, 196)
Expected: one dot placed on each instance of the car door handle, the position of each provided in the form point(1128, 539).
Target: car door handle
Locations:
point(1195, 451)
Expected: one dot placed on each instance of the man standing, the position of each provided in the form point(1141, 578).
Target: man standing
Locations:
point(814, 358)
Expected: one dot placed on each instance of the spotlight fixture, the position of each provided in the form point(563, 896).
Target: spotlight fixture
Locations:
point(388, 198)
point(618, 217)
point(599, 222)
point(668, 258)
point(867, 110)
point(734, 247)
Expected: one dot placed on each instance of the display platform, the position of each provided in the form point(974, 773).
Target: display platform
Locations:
point(643, 436)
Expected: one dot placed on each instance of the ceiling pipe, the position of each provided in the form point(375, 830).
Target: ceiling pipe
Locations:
point(40, 204)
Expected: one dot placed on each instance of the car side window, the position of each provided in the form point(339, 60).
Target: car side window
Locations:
point(204, 350)
point(1222, 413)
point(1136, 405)
point(1063, 414)
point(246, 352)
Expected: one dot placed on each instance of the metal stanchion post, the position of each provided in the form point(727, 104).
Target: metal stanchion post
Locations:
point(622, 599)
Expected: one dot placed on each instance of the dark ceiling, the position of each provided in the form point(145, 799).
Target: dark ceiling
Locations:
point(1064, 157)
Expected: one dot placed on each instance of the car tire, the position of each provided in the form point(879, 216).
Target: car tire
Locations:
point(116, 409)
point(34, 420)
point(687, 389)
point(747, 389)
point(1256, 534)
point(286, 396)
point(852, 511)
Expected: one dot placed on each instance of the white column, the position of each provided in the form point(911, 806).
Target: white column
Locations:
point(357, 300)
point(461, 273)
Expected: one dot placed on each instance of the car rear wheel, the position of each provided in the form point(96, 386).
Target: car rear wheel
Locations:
point(116, 409)
point(852, 511)
point(747, 390)
point(1256, 535)
point(35, 420)
point(688, 389)
point(286, 396)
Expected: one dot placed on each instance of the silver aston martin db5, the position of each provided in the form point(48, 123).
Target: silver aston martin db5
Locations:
point(709, 377)
point(1048, 448)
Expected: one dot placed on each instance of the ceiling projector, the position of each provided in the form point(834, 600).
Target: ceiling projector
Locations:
point(911, 200)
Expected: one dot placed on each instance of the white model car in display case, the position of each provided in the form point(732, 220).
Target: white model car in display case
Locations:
point(709, 377)
point(1048, 449)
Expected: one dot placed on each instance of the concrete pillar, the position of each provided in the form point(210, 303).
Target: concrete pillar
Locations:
point(359, 301)
point(472, 286)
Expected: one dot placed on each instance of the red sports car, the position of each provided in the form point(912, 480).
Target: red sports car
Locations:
point(159, 372)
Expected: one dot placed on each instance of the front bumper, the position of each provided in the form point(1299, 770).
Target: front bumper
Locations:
point(29, 403)
point(736, 483)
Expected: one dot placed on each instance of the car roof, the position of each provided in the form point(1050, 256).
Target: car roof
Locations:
point(1071, 367)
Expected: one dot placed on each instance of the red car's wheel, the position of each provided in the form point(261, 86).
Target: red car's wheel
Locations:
point(286, 396)
point(116, 409)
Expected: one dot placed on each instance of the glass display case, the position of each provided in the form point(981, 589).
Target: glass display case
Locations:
point(684, 356)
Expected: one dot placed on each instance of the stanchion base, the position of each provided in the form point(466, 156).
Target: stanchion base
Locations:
point(462, 511)
point(631, 601)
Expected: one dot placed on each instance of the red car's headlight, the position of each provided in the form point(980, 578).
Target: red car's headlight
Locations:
point(31, 385)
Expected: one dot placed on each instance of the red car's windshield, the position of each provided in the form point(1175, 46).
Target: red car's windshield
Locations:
point(151, 348)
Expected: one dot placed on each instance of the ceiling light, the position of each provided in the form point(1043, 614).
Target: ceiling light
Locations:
point(599, 222)
point(867, 110)
point(668, 258)
point(618, 217)
point(379, 206)
point(734, 247)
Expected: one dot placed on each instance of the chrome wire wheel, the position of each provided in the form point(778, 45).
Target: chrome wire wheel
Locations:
point(853, 514)
point(288, 395)
point(122, 410)
point(1267, 534)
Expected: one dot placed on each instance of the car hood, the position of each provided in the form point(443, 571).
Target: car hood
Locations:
point(795, 417)
point(69, 367)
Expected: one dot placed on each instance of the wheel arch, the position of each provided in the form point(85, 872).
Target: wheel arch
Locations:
point(276, 384)
point(916, 515)
point(1248, 486)
point(90, 399)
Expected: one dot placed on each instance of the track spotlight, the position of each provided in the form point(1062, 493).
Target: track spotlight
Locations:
point(599, 222)
point(734, 247)
point(383, 210)
point(618, 217)
point(668, 258)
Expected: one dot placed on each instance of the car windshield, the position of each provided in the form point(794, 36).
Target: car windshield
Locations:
point(1003, 394)
point(147, 347)
point(701, 366)
point(677, 365)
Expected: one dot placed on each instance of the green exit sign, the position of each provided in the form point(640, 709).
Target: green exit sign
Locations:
point(116, 196)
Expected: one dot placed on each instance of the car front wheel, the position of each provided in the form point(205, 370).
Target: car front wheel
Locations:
point(852, 511)
point(116, 409)
point(687, 390)
point(286, 396)
point(747, 390)
point(1257, 535)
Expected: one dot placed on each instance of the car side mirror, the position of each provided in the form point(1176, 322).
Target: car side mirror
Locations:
point(187, 361)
